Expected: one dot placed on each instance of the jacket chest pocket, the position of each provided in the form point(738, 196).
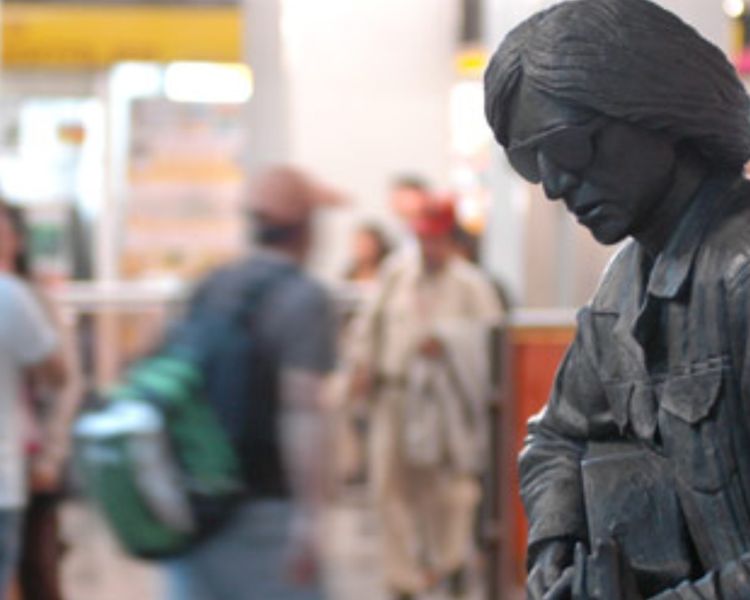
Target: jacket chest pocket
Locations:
point(694, 429)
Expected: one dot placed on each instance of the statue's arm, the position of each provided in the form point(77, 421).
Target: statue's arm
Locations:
point(550, 463)
point(550, 471)
point(731, 582)
point(738, 324)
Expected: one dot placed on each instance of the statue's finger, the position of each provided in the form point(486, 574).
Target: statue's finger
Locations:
point(562, 588)
point(535, 587)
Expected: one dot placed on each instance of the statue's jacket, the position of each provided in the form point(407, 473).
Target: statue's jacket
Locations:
point(661, 360)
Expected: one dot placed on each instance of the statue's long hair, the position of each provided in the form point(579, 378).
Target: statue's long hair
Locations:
point(631, 60)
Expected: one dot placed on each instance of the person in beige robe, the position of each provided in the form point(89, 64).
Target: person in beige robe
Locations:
point(429, 304)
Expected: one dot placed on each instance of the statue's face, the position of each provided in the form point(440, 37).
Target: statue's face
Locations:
point(610, 174)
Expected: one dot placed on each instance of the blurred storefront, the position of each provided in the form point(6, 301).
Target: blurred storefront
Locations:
point(86, 89)
point(122, 136)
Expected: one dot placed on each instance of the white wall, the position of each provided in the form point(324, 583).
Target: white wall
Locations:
point(706, 16)
point(369, 84)
point(268, 111)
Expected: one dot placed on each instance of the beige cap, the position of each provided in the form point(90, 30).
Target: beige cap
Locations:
point(285, 195)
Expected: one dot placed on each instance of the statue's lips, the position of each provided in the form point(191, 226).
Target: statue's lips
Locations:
point(587, 213)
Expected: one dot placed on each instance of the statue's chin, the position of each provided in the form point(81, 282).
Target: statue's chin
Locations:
point(607, 237)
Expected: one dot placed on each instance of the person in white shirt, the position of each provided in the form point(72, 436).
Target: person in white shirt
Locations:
point(29, 347)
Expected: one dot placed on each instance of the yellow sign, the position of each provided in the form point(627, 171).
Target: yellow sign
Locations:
point(471, 62)
point(87, 35)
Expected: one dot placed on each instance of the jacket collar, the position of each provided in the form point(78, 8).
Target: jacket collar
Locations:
point(622, 288)
point(673, 267)
point(622, 296)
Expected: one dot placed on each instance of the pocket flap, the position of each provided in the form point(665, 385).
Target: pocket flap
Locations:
point(619, 395)
point(691, 397)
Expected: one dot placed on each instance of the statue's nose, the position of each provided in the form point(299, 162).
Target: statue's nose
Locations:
point(555, 180)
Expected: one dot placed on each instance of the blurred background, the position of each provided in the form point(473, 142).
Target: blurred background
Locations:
point(127, 129)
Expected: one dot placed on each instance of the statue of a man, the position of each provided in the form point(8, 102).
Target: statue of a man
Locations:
point(636, 475)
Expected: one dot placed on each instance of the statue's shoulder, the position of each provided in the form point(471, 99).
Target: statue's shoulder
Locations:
point(726, 248)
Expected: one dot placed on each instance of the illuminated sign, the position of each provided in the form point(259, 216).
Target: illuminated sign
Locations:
point(64, 35)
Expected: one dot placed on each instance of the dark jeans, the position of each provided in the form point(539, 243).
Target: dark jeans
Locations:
point(39, 572)
point(10, 533)
point(242, 562)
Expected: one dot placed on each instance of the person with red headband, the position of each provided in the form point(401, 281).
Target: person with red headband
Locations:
point(420, 356)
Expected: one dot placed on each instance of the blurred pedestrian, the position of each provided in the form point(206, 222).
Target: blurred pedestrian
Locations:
point(421, 355)
point(49, 415)
point(29, 350)
point(409, 194)
point(269, 550)
point(370, 246)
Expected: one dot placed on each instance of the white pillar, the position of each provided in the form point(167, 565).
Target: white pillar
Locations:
point(369, 86)
point(268, 120)
point(503, 245)
point(707, 17)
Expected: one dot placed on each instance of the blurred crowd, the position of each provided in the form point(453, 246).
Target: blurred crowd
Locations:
point(390, 396)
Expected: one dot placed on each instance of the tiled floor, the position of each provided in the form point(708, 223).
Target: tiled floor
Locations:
point(94, 568)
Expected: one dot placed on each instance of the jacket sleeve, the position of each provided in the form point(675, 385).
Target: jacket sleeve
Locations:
point(731, 582)
point(738, 325)
point(550, 463)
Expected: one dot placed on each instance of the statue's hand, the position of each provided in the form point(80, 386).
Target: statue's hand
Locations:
point(551, 568)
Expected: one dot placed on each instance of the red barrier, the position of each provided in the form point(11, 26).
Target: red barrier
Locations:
point(536, 353)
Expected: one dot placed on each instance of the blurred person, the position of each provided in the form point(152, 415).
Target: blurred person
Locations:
point(29, 348)
point(48, 440)
point(468, 247)
point(467, 244)
point(408, 196)
point(370, 246)
point(269, 549)
point(421, 356)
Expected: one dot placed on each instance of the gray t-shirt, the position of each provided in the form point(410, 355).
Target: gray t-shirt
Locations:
point(295, 329)
point(26, 338)
point(295, 318)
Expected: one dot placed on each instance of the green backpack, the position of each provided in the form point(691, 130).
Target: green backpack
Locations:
point(163, 458)
point(154, 452)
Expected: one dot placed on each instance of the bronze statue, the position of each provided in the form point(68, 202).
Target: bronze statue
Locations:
point(636, 475)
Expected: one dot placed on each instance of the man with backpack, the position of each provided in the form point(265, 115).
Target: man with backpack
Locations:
point(267, 549)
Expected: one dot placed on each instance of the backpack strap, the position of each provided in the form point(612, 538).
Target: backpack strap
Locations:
point(256, 289)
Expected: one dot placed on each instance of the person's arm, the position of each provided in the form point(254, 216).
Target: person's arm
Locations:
point(49, 371)
point(306, 354)
point(304, 444)
point(47, 464)
point(34, 338)
point(486, 303)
